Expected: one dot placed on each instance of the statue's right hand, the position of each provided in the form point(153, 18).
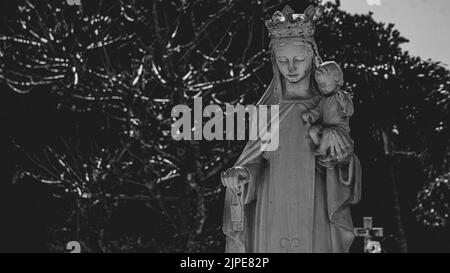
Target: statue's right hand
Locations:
point(234, 177)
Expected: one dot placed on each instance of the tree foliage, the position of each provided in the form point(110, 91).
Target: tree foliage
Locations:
point(132, 61)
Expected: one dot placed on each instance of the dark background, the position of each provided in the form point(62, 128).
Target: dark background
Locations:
point(30, 213)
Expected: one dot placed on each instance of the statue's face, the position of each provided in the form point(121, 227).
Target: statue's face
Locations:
point(326, 80)
point(294, 61)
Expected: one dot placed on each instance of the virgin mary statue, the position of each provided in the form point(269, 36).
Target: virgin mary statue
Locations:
point(282, 200)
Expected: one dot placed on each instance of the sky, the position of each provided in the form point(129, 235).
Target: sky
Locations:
point(425, 23)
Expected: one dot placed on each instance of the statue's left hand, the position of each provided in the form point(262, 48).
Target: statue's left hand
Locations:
point(340, 147)
point(315, 134)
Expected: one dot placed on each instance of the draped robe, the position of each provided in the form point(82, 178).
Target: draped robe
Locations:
point(292, 204)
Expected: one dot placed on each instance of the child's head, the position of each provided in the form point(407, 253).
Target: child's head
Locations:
point(329, 77)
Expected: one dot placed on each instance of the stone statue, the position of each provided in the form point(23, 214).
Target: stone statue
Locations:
point(282, 201)
point(334, 110)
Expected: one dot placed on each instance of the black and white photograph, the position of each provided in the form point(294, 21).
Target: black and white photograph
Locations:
point(225, 127)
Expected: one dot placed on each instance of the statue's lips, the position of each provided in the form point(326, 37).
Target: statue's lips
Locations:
point(292, 75)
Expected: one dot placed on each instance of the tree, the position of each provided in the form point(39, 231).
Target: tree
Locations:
point(433, 207)
point(396, 97)
point(130, 62)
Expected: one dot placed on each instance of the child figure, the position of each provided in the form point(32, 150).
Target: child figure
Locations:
point(334, 109)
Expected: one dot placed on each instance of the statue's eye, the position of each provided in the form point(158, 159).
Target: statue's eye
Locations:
point(299, 59)
point(283, 60)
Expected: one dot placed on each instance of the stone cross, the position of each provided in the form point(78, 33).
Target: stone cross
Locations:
point(368, 232)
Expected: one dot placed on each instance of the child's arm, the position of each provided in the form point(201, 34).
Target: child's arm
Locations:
point(345, 103)
point(337, 111)
point(313, 115)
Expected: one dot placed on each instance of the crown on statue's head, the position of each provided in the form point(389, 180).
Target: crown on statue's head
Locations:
point(287, 23)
